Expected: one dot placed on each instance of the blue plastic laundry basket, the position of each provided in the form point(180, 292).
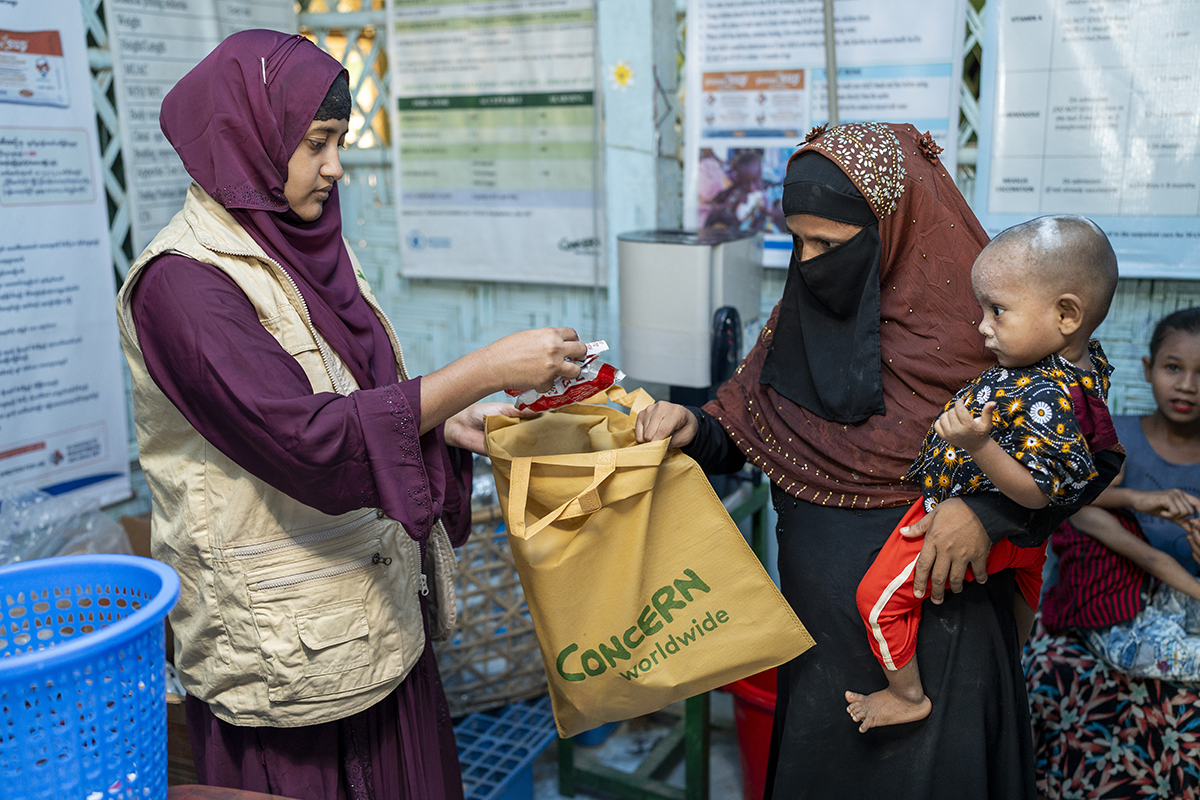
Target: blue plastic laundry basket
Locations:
point(82, 703)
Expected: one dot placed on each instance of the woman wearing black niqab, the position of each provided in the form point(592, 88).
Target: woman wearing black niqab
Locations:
point(874, 332)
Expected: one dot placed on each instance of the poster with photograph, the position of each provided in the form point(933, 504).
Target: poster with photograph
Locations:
point(62, 400)
point(739, 188)
point(494, 152)
point(756, 83)
point(1092, 109)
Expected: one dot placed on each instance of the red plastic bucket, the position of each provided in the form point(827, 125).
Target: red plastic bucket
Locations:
point(753, 713)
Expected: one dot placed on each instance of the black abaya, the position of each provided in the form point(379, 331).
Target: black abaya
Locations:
point(976, 741)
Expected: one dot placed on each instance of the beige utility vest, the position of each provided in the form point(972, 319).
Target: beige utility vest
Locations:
point(286, 616)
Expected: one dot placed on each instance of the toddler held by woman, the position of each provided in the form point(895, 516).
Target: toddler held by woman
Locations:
point(1027, 427)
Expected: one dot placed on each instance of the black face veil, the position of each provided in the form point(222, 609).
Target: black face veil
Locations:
point(824, 354)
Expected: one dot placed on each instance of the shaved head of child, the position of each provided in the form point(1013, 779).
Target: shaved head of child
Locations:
point(1063, 254)
point(1044, 286)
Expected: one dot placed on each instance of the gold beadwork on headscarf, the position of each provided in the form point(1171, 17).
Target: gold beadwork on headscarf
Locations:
point(870, 154)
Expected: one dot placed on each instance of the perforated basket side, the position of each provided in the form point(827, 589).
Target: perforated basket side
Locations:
point(55, 610)
point(95, 726)
point(82, 699)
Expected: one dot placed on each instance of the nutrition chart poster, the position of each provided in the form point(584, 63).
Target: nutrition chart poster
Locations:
point(62, 401)
point(1093, 108)
point(756, 84)
point(154, 43)
point(494, 144)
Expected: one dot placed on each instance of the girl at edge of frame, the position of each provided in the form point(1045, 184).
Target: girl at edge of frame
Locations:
point(306, 489)
point(1128, 563)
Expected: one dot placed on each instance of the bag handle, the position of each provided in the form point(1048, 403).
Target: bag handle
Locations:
point(588, 501)
point(585, 502)
point(636, 401)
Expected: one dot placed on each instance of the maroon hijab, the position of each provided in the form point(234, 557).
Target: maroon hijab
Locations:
point(235, 121)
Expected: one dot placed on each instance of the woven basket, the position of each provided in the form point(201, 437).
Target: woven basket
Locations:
point(492, 658)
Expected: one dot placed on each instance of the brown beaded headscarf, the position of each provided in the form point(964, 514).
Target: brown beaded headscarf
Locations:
point(929, 344)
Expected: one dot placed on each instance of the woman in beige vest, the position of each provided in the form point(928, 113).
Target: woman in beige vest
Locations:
point(306, 489)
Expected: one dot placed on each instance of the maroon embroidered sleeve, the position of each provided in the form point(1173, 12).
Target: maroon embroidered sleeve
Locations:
point(418, 477)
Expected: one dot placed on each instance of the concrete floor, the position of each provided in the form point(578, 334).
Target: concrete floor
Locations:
point(624, 749)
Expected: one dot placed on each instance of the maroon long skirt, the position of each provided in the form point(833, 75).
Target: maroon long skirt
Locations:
point(402, 748)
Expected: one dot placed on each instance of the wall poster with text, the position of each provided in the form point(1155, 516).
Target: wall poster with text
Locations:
point(494, 139)
point(1094, 109)
point(62, 400)
point(154, 44)
point(756, 84)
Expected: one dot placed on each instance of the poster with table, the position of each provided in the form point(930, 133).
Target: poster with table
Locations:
point(756, 85)
point(154, 43)
point(494, 143)
point(1094, 109)
point(62, 403)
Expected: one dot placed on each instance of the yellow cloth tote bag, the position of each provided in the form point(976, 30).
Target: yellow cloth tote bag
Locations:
point(641, 588)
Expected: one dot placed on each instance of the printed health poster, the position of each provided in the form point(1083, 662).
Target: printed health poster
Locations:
point(756, 84)
point(494, 143)
point(62, 400)
point(154, 44)
point(1093, 108)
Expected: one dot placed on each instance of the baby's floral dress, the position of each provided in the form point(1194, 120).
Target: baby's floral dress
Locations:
point(1034, 421)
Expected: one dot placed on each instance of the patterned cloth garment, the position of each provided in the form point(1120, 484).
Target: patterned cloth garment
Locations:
point(1096, 587)
point(1161, 642)
point(1104, 735)
point(1034, 421)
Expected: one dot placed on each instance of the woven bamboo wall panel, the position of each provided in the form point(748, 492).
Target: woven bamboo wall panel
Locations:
point(1136, 309)
point(492, 658)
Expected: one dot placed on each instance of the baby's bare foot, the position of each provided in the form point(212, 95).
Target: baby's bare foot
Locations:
point(884, 708)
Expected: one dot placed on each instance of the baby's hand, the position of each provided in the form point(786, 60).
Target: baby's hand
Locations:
point(960, 429)
point(1173, 504)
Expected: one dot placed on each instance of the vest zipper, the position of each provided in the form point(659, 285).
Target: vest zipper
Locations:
point(318, 574)
point(325, 360)
point(418, 569)
point(391, 332)
point(252, 550)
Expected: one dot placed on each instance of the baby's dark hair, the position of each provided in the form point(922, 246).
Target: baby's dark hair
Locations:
point(336, 104)
point(1186, 320)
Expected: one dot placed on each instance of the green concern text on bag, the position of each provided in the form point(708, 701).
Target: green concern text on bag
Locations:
point(641, 588)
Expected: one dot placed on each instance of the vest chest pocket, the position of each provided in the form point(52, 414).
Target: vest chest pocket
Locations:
point(298, 341)
point(308, 355)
